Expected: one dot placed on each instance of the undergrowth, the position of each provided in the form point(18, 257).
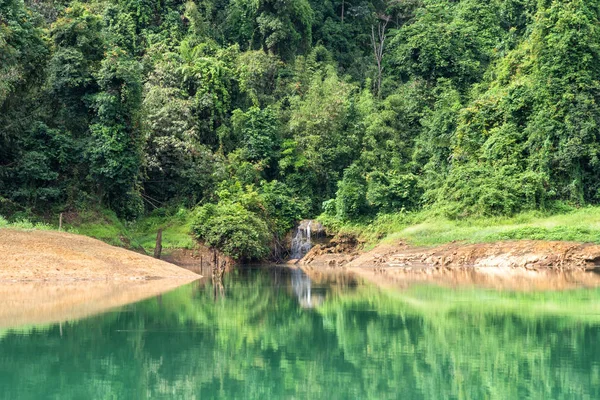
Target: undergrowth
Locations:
point(104, 225)
point(427, 229)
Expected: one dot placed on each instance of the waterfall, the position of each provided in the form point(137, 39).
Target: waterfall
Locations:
point(301, 243)
point(305, 237)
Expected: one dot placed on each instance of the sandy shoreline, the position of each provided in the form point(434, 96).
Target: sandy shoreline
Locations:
point(49, 256)
point(49, 277)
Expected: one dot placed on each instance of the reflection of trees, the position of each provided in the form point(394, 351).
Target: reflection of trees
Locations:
point(258, 343)
point(469, 350)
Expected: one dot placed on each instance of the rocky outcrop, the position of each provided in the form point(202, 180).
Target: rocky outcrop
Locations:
point(337, 252)
point(511, 254)
point(308, 234)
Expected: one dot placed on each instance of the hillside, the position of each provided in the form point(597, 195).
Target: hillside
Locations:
point(258, 114)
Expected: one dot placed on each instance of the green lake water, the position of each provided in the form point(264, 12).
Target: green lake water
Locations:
point(273, 334)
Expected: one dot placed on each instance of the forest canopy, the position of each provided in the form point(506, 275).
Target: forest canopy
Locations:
point(260, 113)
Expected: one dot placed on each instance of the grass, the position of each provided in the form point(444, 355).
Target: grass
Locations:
point(103, 225)
point(106, 226)
point(177, 228)
point(423, 229)
point(24, 225)
point(419, 229)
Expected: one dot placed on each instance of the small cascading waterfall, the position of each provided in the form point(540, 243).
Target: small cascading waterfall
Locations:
point(301, 243)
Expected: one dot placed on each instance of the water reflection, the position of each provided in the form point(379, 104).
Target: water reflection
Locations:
point(36, 303)
point(259, 341)
point(302, 286)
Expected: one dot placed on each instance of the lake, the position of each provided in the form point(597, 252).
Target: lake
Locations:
point(273, 334)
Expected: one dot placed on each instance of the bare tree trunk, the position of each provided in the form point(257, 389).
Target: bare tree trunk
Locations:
point(378, 41)
point(343, 9)
point(60, 222)
point(158, 247)
point(217, 276)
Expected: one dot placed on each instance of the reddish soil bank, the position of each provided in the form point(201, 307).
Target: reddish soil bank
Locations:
point(511, 264)
point(57, 256)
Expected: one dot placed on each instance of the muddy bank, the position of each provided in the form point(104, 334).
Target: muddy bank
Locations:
point(58, 256)
point(200, 259)
point(535, 265)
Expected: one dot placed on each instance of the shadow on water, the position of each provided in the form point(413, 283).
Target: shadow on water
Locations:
point(274, 333)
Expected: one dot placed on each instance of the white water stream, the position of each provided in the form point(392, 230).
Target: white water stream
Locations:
point(301, 243)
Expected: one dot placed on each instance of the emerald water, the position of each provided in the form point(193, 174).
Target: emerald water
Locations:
point(273, 334)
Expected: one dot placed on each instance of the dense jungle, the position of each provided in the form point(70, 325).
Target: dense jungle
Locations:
point(242, 117)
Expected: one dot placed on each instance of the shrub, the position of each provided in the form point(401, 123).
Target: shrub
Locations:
point(479, 190)
point(232, 229)
point(391, 191)
point(351, 196)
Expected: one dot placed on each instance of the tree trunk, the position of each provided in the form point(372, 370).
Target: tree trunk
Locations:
point(378, 41)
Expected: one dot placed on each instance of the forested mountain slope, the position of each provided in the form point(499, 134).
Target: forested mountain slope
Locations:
point(262, 112)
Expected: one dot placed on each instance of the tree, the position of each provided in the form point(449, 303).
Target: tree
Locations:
point(378, 42)
point(177, 165)
point(22, 49)
point(277, 26)
point(114, 154)
point(234, 230)
point(323, 142)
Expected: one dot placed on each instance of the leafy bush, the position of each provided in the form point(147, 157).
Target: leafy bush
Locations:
point(478, 190)
point(351, 196)
point(281, 206)
point(390, 191)
point(232, 229)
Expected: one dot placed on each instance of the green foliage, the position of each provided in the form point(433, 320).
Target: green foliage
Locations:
point(257, 73)
point(22, 48)
point(282, 207)
point(426, 228)
point(101, 224)
point(451, 40)
point(393, 191)
point(176, 225)
point(351, 196)
point(271, 209)
point(273, 25)
point(477, 190)
point(23, 225)
point(177, 165)
point(114, 154)
point(207, 79)
point(486, 108)
point(258, 132)
point(324, 141)
point(234, 230)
